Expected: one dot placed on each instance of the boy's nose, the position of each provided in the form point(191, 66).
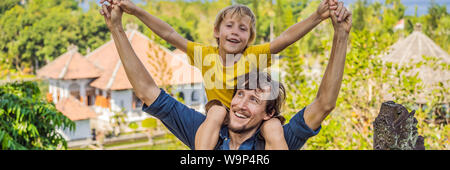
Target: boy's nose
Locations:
point(235, 31)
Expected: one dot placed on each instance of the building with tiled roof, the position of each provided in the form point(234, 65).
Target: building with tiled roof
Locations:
point(78, 112)
point(98, 80)
point(70, 65)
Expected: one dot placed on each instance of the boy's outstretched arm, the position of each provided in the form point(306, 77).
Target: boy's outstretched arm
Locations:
point(159, 27)
point(142, 82)
point(298, 30)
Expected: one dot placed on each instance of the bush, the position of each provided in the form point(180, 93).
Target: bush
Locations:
point(27, 121)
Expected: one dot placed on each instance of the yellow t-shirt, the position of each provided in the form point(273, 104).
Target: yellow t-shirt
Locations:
point(219, 80)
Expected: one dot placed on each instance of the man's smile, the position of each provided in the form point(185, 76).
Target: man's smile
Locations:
point(240, 115)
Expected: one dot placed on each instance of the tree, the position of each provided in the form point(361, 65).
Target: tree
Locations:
point(365, 83)
point(359, 14)
point(436, 25)
point(5, 5)
point(27, 121)
point(34, 34)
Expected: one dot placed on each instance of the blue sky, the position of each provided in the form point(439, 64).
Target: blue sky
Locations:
point(422, 5)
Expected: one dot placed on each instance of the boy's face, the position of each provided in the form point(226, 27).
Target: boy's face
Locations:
point(233, 33)
point(247, 110)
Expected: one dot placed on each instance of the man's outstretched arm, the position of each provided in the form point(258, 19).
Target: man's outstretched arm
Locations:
point(142, 82)
point(325, 100)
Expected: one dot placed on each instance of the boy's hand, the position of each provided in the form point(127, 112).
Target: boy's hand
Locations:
point(325, 7)
point(112, 14)
point(342, 21)
point(273, 133)
point(219, 114)
point(126, 5)
point(268, 125)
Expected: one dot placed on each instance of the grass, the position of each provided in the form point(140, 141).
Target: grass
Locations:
point(165, 146)
point(124, 143)
point(171, 144)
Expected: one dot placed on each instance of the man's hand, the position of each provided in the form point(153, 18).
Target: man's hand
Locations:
point(325, 7)
point(341, 19)
point(126, 5)
point(331, 83)
point(112, 14)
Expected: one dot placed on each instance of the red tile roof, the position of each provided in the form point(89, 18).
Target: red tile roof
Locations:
point(115, 78)
point(105, 65)
point(70, 65)
point(74, 109)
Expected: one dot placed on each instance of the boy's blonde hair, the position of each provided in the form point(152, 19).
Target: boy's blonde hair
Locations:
point(241, 11)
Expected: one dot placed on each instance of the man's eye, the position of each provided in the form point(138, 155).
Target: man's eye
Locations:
point(254, 99)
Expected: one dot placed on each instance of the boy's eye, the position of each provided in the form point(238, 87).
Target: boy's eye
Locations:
point(243, 29)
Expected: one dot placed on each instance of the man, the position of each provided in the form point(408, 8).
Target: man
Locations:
point(249, 106)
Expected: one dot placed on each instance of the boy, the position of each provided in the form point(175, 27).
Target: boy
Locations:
point(234, 31)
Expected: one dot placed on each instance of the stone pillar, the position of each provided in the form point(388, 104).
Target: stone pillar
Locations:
point(66, 90)
point(55, 91)
point(61, 90)
point(83, 97)
point(396, 129)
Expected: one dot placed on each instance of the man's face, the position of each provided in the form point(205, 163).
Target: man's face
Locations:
point(247, 110)
point(233, 33)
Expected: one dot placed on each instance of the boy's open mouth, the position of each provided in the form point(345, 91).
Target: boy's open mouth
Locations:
point(233, 40)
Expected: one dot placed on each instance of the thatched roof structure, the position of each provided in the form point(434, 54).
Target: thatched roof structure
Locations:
point(411, 50)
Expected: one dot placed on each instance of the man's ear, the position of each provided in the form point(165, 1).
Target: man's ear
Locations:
point(269, 116)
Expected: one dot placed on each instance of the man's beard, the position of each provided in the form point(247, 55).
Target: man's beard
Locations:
point(242, 129)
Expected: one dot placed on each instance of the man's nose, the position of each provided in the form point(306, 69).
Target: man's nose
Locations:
point(242, 104)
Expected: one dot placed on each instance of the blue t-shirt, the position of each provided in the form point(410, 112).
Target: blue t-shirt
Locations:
point(184, 122)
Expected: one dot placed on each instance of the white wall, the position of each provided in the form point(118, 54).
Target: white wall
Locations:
point(121, 99)
point(82, 131)
point(61, 87)
point(187, 91)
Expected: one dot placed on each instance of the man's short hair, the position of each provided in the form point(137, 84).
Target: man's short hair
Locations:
point(260, 80)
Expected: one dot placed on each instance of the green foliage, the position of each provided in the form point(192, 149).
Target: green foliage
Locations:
point(34, 34)
point(149, 123)
point(27, 121)
point(133, 125)
point(117, 122)
point(436, 25)
point(7, 4)
point(366, 83)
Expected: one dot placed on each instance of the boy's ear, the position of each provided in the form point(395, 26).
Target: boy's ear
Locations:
point(216, 33)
